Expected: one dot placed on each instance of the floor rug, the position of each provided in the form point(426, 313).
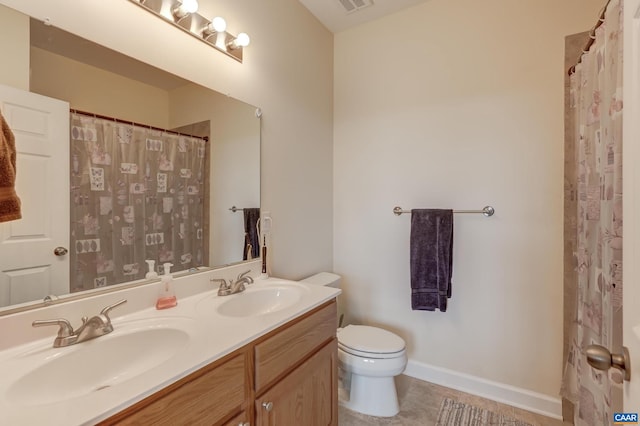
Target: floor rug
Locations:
point(455, 413)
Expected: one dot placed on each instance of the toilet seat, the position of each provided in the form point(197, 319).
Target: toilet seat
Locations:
point(373, 355)
point(370, 342)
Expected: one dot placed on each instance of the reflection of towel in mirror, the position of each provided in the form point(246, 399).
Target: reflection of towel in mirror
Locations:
point(9, 201)
point(431, 259)
point(251, 244)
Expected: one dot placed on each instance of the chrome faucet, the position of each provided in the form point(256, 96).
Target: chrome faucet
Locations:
point(91, 328)
point(231, 287)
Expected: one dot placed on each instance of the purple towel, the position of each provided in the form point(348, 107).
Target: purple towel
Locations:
point(431, 258)
point(251, 241)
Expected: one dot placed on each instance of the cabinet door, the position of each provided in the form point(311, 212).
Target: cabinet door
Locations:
point(307, 396)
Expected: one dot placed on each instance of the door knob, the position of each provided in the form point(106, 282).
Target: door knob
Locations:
point(600, 358)
point(60, 251)
point(268, 406)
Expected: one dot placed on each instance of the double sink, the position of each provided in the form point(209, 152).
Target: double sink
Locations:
point(152, 347)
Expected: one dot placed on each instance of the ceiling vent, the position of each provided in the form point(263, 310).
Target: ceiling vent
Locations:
point(351, 6)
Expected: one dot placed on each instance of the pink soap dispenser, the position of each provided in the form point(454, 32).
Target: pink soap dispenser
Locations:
point(166, 298)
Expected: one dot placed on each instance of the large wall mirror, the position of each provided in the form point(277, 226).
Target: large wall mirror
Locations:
point(155, 165)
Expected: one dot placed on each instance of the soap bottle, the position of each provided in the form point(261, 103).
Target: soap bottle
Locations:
point(152, 269)
point(166, 298)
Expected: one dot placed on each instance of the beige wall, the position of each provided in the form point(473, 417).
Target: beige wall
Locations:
point(287, 71)
point(92, 89)
point(14, 45)
point(459, 104)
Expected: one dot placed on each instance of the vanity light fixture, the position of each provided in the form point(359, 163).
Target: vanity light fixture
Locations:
point(183, 14)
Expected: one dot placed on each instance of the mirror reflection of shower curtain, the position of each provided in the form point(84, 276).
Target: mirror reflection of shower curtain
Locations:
point(136, 193)
point(596, 105)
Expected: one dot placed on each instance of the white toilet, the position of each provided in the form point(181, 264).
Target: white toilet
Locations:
point(369, 358)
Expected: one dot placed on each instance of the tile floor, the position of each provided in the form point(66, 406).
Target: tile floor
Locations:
point(420, 403)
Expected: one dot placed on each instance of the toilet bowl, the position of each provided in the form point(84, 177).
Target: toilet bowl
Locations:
point(368, 359)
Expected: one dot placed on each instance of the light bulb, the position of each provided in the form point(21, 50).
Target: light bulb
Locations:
point(184, 8)
point(190, 6)
point(218, 24)
point(242, 40)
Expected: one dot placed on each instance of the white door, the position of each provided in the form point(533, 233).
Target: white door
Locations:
point(631, 203)
point(29, 269)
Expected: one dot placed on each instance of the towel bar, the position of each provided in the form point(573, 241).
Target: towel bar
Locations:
point(235, 209)
point(487, 211)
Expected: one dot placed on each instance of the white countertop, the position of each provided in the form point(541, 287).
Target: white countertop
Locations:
point(210, 337)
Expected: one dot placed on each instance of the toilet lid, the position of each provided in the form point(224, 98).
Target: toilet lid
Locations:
point(363, 338)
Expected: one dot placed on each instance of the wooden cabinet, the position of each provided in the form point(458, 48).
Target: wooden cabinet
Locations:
point(294, 368)
point(307, 396)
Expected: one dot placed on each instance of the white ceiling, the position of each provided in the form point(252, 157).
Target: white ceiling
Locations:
point(335, 17)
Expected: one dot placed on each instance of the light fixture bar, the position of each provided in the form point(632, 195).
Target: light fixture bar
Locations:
point(193, 24)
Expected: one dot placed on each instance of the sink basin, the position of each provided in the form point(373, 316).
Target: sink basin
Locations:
point(97, 364)
point(260, 301)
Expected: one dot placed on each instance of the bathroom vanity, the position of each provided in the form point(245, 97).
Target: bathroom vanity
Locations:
point(287, 377)
point(266, 356)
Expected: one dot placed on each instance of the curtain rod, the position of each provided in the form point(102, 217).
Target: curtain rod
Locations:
point(592, 38)
point(133, 123)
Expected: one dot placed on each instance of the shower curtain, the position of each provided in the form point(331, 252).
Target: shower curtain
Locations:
point(596, 107)
point(137, 194)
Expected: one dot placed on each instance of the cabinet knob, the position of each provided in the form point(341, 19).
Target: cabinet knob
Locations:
point(244, 424)
point(268, 406)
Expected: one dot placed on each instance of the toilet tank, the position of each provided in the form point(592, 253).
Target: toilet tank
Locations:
point(328, 279)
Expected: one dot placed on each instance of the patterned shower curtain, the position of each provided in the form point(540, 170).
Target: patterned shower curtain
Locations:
point(596, 105)
point(137, 194)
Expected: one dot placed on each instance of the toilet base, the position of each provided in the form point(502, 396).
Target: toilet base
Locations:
point(374, 396)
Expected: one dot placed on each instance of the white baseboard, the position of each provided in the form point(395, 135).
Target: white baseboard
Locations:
point(500, 392)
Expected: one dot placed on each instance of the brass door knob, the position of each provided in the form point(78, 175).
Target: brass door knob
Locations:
point(60, 251)
point(600, 358)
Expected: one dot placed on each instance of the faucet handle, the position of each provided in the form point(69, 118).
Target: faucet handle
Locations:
point(65, 329)
point(105, 311)
point(222, 281)
point(242, 275)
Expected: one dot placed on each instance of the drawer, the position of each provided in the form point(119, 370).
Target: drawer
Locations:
point(290, 345)
point(203, 400)
point(241, 419)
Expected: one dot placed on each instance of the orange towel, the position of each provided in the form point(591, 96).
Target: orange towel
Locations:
point(9, 201)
